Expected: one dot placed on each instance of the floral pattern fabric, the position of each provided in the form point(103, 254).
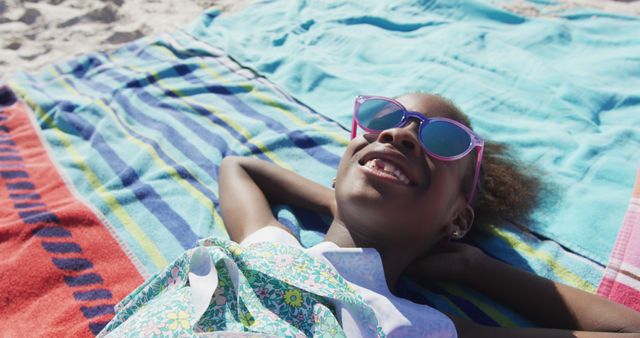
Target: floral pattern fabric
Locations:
point(264, 288)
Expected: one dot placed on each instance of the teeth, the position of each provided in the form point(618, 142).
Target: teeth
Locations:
point(401, 176)
point(387, 167)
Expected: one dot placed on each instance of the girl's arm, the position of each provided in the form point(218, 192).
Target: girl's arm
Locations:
point(548, 303)
point(247, 187)
point(469, 329)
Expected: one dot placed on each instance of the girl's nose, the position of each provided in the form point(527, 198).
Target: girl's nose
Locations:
point(404, 137)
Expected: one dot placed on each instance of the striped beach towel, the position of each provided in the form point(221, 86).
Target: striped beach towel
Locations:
point(141, 131)
point(125, 178)
point(136, 136)
point(62, 269)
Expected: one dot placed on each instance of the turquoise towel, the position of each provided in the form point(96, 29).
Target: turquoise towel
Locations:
point(141, 131)
point(563, 91)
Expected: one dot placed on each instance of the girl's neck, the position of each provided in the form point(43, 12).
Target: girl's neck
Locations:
point(394, 261)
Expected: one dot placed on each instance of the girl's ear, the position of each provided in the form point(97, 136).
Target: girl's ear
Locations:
point(462, 222)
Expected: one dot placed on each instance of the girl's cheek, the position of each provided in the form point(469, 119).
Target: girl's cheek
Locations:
point(430, 163)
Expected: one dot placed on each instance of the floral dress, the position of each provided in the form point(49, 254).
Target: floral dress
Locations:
point(223, 289)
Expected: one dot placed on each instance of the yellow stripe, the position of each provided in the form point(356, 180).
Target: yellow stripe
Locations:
point(487, 308)
point(197, 194)
point(129, 224)
point(214, 110)
point(203, 199)
point(231, 122)
point(565, 274)
point(266, 99)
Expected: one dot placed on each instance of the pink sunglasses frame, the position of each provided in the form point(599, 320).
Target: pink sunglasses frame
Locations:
point(477, 142)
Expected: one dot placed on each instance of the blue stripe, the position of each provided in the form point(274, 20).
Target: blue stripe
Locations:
point(298, 138)
point(72, 264)
point(8, 143)
point(5, 129)
point(207, 166)
point(95, 311)
point(469, 308)
point(306, 143)
point(24, 196)
point(183, 145)
point(8, 150)
point(132, 83)
point(83, 280)
point(96, 327)
point(3, 118)
point(37, 216)
point(405, 291)
point(85, 63)
point(178, 227)
point(61, 247)
point(52, 232)
point(180, 143)
point(92, 295)
point(10, 158)
point(310, 220)
point(319, 153)
point(14, 174)
point(11, 166)
point(185, 53)
point(28, 205)
point(20, 185)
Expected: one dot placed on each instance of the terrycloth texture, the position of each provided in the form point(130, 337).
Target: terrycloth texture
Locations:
point(621, 281)
point(563, 91)
point(141, 132)
point(62, 270)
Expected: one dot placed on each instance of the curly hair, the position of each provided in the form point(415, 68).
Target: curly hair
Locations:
point(507, 188)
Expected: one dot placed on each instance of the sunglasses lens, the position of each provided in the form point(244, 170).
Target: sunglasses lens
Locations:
point(445, 138)
point(376, 114)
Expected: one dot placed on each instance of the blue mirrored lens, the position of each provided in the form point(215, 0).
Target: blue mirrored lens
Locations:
point(445, 139)
point(379, 115)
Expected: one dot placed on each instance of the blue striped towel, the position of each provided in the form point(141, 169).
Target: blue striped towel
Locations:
point(141, 131)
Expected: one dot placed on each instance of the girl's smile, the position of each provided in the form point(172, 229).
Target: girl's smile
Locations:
point(388, 163)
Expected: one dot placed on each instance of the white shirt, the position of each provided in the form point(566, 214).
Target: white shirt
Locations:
point(362, 268)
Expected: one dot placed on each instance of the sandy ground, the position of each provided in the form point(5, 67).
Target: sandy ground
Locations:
point(34, 33)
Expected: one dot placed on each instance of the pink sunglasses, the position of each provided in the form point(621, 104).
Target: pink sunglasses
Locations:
point(441, 138)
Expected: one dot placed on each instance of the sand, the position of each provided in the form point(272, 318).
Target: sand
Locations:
point(36, 33)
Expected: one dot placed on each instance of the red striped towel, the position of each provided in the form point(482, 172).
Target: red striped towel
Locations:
point(61, 270)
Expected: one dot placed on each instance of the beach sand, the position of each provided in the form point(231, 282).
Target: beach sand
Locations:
point(37, 33)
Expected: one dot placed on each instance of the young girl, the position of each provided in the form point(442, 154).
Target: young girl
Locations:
point(404, 189)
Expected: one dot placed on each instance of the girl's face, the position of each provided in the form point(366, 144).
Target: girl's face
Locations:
point(388, 190)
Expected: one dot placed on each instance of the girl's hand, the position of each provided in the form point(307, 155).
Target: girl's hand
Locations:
point(547, 303)
point(249, 186)
point(333, 207)
point(449, 262)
